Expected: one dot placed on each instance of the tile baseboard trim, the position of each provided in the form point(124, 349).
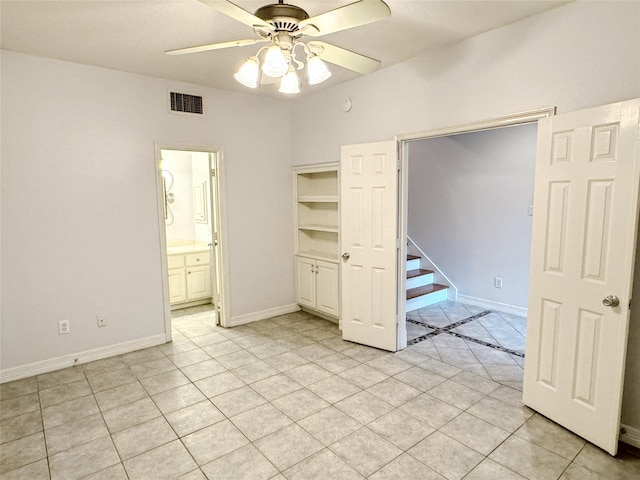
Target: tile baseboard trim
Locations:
point(263, 314)
point(490, 304)
point(630, 435)
point(58, 363)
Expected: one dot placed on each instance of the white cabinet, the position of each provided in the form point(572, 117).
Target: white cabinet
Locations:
point(317, 235)
point(177, 286)
point(306, 282)
point(189, 277)
point(198, 282)
point(317, 285)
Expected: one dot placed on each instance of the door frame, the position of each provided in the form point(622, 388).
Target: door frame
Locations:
point(218, 222)
point(403, 141)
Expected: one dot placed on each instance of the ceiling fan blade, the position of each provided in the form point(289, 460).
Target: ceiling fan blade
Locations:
point(349, 16)
point(239, 14)
point(345, 58)
point(215, 46)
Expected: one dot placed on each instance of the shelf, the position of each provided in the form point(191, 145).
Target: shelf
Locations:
point(318, 184)
point(318, 243)
point(318, 199)
point(318, 255)
point(320, 228)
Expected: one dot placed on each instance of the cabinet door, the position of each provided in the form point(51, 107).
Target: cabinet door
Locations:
point(198, 282)
point(306, 282)
point(177, 286)
point(327, 288)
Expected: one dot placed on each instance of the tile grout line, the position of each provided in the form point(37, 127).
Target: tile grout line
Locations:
point(439, 330)
point(308, 361)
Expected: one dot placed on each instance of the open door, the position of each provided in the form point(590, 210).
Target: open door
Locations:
point(369, 232)
point(582, 262)
point(214, 201)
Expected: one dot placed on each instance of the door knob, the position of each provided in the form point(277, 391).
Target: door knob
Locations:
point(345, 256)
point(611, 301)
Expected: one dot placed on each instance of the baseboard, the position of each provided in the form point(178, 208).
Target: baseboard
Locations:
point(320, 314)
point(491, 305)
point(45, 366)
point(630, 435)
point(263, 314)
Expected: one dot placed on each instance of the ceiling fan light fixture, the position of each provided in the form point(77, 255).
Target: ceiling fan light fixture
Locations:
point(248, 73)
point(290, 82)
point(317, 71)
point(274, 65)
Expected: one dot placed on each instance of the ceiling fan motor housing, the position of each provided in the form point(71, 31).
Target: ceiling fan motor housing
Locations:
point(283, 17)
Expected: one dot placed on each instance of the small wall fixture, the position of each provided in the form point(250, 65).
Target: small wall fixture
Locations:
point(167, 184)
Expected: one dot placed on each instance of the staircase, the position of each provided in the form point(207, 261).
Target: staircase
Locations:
point(421, 291)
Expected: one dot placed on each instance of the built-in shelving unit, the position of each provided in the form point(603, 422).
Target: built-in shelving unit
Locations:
point(317, 212)
point(317, 238)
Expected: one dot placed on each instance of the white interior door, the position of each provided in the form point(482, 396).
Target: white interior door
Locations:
point(214, 255)
point(369, 229)
point(583, 252)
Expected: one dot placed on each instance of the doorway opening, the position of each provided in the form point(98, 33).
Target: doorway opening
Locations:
point(192, 227)
point(452, 212)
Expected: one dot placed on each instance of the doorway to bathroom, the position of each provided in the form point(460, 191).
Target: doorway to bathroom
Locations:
point(192, 229)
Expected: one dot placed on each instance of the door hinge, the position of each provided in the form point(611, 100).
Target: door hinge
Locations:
point(398, 164)
point(213, 172)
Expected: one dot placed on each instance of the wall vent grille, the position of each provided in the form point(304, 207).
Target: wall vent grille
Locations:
point(186, 103)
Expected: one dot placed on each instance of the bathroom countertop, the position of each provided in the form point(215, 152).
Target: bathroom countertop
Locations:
point(186, 247)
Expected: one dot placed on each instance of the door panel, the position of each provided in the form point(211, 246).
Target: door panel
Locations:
point(369, 219)
point(198, 282)
point(583, 250)
point(177, 285)
point(327, 287)
point(306, 278)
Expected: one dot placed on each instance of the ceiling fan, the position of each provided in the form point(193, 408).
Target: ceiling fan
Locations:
point(283, 26)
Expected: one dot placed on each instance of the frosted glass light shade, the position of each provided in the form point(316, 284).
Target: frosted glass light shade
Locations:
point(290, 82)
point(274, 65)
point(317, 70)
point(248, 73)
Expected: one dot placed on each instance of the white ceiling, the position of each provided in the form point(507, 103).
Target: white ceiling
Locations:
point(132, 35)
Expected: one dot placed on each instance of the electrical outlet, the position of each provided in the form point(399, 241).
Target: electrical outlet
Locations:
point(102, 320)
point(497, 282)
point(63, 327)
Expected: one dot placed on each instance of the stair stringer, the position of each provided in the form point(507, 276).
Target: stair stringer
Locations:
point(427, 263)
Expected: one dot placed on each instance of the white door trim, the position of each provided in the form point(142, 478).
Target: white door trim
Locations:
point(403, 180)
point(222, 260)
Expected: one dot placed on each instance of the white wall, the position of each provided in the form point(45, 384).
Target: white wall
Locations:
point(78, 167)
point(200, 167)
point(180, 166)
point(576, 56)
point(80, 228)
point(468, 209)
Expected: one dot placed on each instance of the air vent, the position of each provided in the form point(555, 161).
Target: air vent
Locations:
point(186, 103)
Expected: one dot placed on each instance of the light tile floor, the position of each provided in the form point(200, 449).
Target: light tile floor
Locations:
point(453, 345)
point(283, 398)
